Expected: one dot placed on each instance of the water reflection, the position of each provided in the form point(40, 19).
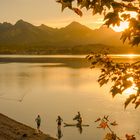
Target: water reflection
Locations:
point(59, 133)
point(73, 62)
point(80, 129)
point(13, 83)
point(61, 90)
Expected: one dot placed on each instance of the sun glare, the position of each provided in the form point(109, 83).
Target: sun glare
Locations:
point(129, 55)
point(132, 90)
point(122, 27)
point(132, 55)
point(124, 24)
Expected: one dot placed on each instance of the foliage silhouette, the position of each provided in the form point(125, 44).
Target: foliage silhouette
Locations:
point(122, 75)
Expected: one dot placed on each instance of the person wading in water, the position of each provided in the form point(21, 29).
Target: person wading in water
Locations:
point(78, 118)
point(38, 122)
point(59, 121)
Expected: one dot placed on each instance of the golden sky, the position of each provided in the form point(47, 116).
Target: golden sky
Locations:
point(46, 12)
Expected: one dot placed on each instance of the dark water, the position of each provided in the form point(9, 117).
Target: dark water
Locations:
point(61, 85)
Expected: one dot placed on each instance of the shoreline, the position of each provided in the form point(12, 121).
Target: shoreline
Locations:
point(10, 129)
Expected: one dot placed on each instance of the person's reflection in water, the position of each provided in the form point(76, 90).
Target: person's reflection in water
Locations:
point(80, 129)
point(59, 133)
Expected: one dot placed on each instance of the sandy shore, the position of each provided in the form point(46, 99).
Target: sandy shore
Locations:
point(13, 130)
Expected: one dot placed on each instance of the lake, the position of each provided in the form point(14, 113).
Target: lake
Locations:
point(62, 85)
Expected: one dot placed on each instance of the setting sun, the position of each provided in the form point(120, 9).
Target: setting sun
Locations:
point(124, 24)
point(132, 90)
point(122, 27)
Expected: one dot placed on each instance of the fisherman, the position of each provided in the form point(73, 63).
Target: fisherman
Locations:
point(59, 121)
point(38, 122)
point(78, 118)
point(79, 121)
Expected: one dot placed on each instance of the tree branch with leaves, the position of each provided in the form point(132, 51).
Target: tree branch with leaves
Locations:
point(105, 123)
point(122, 75)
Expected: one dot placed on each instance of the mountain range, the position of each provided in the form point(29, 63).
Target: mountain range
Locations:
point(25, 38)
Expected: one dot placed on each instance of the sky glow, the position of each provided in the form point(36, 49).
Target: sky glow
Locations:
point(46, 12)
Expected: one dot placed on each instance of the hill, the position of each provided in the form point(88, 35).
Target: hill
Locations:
point(25, 38)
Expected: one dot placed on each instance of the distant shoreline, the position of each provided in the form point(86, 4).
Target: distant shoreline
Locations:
point(73, 61)
point(11, 129)
point(48, 61)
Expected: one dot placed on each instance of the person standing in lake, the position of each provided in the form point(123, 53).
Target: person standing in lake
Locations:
point(38, 122)
point(59, 121)
point(78, 118)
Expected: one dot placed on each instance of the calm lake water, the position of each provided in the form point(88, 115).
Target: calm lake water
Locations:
point(62, 85)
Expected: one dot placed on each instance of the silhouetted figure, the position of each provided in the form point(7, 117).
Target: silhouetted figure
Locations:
point(59, 121)
point(78, 118)
point(79, 123)
point(38, 122)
